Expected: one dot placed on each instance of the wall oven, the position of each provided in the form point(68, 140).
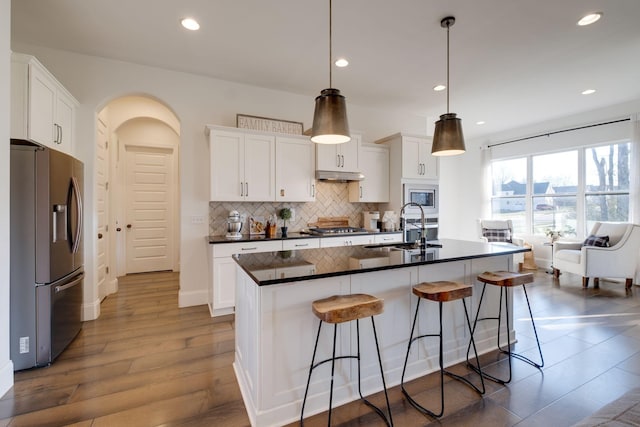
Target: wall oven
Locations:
point(411, 228)
point(425, 195)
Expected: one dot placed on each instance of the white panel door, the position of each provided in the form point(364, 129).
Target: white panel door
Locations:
point(227, 166)
point(295, 170)
point(102, 207)
point(149, 209)
point(259, 168)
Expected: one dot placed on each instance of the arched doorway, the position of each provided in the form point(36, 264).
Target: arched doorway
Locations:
point(137, 189)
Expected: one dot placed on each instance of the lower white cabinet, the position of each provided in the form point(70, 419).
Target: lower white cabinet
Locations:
point(222, 289)
point(360, 239)
point(387, 238)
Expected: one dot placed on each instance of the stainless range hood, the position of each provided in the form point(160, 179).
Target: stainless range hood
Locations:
point(339, 176)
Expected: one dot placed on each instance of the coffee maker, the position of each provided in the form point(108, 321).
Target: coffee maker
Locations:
point(371, 219)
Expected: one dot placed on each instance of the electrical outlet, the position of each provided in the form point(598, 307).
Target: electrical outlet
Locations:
point(24, 345)
point(197, 219)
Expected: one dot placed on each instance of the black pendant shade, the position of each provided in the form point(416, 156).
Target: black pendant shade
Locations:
point(448, 139)
point(330, 124)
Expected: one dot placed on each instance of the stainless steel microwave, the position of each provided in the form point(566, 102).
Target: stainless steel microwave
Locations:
point(425, 195)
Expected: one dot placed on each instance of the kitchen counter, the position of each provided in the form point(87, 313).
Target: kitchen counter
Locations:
point(276, 329)
point(345, 260)
point(290, 236)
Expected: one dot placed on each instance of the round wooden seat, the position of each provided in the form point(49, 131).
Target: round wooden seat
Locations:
point(442, 290)
point(505, 278)
point(344, 308)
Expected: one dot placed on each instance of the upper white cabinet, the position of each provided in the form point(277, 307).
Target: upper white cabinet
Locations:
point(252, 166)
point(374, 164)
point(414, 156)
point(339, 157)
point(242, 165)
point(295, 169)
point(42, 110)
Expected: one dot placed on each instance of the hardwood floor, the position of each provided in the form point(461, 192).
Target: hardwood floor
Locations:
point(145, 362)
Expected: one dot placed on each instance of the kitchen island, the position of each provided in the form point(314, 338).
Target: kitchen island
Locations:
point(275, 327)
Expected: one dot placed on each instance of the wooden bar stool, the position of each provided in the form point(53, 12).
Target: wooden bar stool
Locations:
point(506, 280)
point(340, 309)
point(443, 291)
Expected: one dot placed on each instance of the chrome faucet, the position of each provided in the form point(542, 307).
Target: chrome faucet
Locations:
point(423, 237)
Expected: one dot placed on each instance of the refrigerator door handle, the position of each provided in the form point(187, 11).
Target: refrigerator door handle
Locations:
point(59, 209)
point(69, 285)
point(78, 234)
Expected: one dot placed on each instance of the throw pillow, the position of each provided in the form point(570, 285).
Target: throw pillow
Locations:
point(497, 235)
point(599, 241)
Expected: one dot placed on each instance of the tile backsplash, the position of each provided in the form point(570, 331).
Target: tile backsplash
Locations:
point(332, 199)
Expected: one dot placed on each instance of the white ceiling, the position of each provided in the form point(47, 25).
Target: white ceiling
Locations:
point(513, 62)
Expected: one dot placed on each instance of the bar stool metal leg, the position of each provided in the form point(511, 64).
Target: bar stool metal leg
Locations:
point(443, 371)
point(504, 296)
point(389, 420)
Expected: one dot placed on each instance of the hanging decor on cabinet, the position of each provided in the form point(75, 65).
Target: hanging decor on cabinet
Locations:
point(330, 125)
point(266, 124)
point(448, 139)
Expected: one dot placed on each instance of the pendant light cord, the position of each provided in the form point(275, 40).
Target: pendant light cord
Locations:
point(330, 50)
point(448, 26)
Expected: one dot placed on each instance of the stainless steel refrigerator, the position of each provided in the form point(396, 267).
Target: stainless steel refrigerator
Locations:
point(46, 253)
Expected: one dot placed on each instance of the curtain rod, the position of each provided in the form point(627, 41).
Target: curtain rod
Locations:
point(559, 131)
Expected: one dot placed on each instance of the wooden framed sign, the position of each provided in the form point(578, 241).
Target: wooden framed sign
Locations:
point(268, 125)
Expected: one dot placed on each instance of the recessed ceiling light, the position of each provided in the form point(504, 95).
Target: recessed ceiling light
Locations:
point(439, 88)
point(588, 91)
point(480, 123)
point(341, 62)
point(190, 24)
point(590, 19)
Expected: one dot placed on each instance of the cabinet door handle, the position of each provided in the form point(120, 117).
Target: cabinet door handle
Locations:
point(338, 160)
point(342, 161)
point(241, 189)
point(313, 190)
point(361, 191)
point(246, 189)
point(59, 134)
point(301, 245)
point(250, 249)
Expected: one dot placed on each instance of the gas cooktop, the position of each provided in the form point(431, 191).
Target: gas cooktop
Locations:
point(328, 231)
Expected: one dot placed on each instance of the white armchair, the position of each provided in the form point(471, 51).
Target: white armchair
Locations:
point(618, 260)
point(500, 230)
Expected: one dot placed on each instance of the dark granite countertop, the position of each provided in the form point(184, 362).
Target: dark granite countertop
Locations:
point(290, 236)
point(270, 268)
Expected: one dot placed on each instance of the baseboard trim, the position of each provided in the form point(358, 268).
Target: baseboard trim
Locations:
point(189, 299)
point(91, 311)
point(6, 377)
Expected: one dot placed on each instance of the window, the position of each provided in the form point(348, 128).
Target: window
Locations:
point(568, 190)
point(509, 195)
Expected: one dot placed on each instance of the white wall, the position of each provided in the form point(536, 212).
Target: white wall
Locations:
point(6, 367)
point(196, 101)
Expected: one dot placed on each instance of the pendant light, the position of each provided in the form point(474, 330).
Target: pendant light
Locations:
point(448, 139)
point(330, 125)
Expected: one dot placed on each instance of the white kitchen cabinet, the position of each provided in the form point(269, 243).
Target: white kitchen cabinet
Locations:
point(295, 169)
point(293, 244)
point(387, 238)
point(374, 164)
point(242, 165)
point(42, 110)
point(339, 157)
point(223, 272)
point(347, 240)
point(412, 154)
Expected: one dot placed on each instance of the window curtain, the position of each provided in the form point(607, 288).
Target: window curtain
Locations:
point(634, 191)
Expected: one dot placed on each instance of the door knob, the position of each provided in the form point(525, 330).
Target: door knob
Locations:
point(128, 225)
point(99, 235)
point(118, 229)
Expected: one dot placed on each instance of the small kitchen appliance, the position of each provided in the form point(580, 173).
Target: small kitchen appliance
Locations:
point(234, 225)
point(371, 219)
